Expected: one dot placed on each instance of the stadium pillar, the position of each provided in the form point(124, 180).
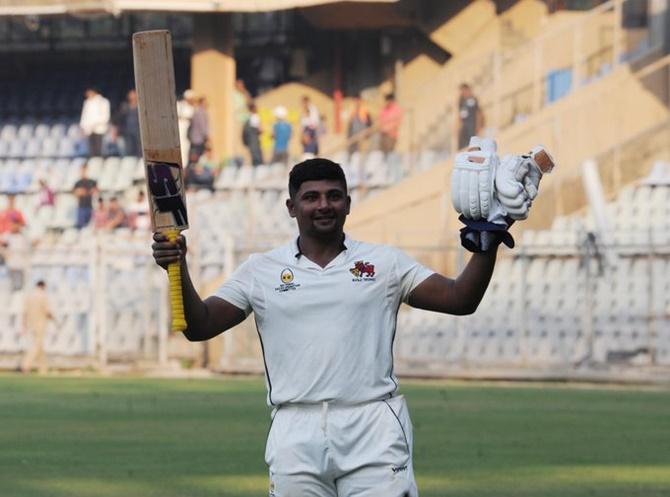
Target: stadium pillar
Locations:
point(213, 75)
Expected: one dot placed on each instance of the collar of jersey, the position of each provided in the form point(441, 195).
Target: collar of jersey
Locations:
point(297, 251)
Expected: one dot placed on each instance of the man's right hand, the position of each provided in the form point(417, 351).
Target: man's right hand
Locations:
point(166, 252)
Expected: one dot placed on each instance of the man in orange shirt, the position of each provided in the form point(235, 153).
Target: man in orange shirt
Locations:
point(389, 123)
point(11, 218)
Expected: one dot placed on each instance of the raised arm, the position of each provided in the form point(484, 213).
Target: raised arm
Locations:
point(204, 318)
point(460, 296)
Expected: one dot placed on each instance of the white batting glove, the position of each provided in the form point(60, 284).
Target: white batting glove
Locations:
point(518, 179)
point(472, 181)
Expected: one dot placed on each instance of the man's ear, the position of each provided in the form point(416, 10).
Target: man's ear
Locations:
point(348, 204)
point(290, 206)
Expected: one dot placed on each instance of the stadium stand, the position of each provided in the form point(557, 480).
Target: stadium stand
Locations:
point(553, 303)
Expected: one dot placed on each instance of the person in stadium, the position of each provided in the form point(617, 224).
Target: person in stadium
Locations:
point(116, 215)
point(390, 119)
point(185, 109)
point(281, 133)
point(37, 311)
point(326, 306)
point(310, 124)
point(359, 120)
point(94, 121)
point(127, 125)
point(84, 189)
point(14, 244)
point(11, 217)
point(251, 135)
point(198, 131)
point(99, 216)
point(470, 116)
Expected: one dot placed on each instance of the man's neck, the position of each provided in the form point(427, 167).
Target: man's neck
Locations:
point(321, 250)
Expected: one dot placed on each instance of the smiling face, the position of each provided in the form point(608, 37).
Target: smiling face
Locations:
point(320, 207)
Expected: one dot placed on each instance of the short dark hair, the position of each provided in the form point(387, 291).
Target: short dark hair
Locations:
point(314, 170)
point(41, 284)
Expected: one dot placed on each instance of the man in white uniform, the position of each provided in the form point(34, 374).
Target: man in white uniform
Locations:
point(325, 307)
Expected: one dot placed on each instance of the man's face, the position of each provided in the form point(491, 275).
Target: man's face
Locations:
point(320, 207)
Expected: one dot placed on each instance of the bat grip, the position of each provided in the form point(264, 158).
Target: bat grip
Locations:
point(176, 297)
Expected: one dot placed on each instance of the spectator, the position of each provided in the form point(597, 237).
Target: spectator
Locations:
point(11, 218)
point(208, 160)
point(281, 132)
point(45, 195)
point(310, 124)
point(390, 119)
point(15, 247)
point(127, 124)
point(198, 131)
point(84, 189)
point(100, 214)
point(359, 121)
point(116, 216)
point(251, 135)
point(200, 176)
point(185, 109)
point(14, 243)
point(241, 100)
point(470, 116)
point(37, 311)
point(94, 121)
point(138, 213)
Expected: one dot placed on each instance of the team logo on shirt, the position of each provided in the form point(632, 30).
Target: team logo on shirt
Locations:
point(363, 271)
point(287, 278)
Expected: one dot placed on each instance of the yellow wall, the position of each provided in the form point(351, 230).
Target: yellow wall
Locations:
point(585, 124)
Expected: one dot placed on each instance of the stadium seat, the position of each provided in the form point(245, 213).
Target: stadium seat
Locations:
point(58, 130)
point(16, 148)
point(8, 132)
point(66, 148)
point(26, 131)
point(42, 130)
point(227, 178)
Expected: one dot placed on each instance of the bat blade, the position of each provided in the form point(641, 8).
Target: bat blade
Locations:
point(159, 129)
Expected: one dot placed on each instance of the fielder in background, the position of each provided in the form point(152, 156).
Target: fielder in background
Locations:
point(325, 307)
point(36, 315)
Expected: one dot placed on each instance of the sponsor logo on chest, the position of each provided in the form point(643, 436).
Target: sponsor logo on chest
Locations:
point(287, 282)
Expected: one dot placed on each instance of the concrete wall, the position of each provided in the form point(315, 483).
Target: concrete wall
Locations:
point(586, 124)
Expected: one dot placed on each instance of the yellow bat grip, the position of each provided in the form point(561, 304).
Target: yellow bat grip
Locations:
point(176, 297)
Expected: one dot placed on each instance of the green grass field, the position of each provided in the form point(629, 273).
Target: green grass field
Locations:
point(130, 437)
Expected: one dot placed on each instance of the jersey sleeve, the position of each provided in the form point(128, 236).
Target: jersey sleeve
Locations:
point(410, 273)
point(237, 289)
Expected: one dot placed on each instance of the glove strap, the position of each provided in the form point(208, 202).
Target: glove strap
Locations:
point(482, 236)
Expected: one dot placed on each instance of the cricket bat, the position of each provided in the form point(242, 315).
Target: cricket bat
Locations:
point(159, 130)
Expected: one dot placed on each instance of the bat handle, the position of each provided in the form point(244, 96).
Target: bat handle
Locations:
point(176, 297)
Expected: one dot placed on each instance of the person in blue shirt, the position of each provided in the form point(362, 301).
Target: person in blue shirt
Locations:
point(281, 132)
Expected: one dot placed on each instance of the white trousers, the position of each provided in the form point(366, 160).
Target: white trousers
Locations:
point(335, 450)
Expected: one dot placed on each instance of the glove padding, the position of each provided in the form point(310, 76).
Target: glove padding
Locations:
point(472, 180)
point(510, 187)
point(518, 179)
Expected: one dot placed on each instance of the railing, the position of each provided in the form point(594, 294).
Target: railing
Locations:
point(577, 334)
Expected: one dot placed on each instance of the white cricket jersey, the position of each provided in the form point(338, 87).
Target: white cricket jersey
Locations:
point(326, 333)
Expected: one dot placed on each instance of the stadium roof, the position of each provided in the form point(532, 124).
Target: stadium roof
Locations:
point(53, 7)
